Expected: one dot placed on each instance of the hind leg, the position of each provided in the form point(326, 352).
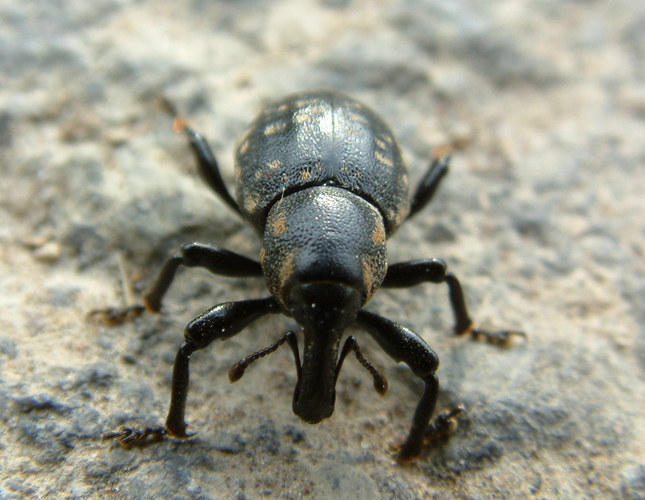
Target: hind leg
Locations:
point(429, 184)
point(206, 161)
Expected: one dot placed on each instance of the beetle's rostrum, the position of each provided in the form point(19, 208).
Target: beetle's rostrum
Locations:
point(322, 180)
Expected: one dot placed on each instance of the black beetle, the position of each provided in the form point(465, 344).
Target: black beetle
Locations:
point(321, 179)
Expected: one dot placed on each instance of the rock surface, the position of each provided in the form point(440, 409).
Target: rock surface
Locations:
point(543, 104)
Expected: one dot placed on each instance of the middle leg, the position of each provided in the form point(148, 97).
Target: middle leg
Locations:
point(411, 273)
point(216, 260)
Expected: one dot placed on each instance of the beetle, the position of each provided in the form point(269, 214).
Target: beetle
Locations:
point(321, 179)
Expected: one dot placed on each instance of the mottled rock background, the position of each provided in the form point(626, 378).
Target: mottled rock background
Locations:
point(542, 217)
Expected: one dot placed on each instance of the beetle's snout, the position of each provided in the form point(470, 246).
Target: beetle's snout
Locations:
point(315, 393)
point(315, 407)
point(323, 310)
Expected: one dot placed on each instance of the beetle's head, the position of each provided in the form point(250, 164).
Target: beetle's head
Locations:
point(323, 257)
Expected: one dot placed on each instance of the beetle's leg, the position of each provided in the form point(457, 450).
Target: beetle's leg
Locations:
point(216, 260)
point(206, 161)
point(380, 382)
point(407, 274)
point(429, 184)
point(218, 323)
point(237, 370)
point(130, 437)
point(117, 315)
point(404, 345)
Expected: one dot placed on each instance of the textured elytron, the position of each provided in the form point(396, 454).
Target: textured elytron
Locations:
point(320, 139)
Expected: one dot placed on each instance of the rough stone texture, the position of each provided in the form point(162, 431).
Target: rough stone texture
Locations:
point(542, 217)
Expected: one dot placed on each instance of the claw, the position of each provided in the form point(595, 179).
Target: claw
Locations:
point(184, 435)
point(116, 315)
point(445, 423)
point(129, 437)
point(403, 454)
point(179, 123)
point(499, 337)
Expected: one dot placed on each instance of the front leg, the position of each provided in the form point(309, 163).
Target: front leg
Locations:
point(407, 274)
point(218, 323)
point(404, 345)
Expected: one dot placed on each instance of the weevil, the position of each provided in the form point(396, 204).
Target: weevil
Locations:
point(321, 179)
